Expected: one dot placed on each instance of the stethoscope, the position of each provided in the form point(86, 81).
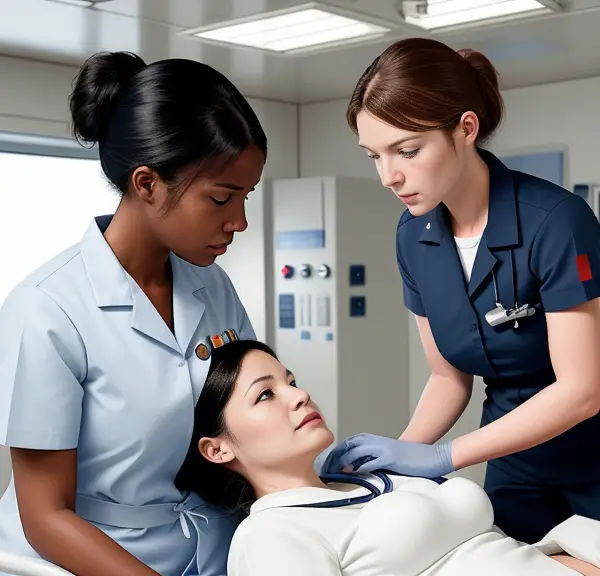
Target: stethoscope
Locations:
point(499, 314)
point(374, 492)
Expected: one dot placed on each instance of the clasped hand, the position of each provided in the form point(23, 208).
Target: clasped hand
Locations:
point(368, 452)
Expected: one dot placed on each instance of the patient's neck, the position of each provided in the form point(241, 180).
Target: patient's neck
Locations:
point(269, 481)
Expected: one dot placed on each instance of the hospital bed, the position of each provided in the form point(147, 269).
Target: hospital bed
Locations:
point(22, 566)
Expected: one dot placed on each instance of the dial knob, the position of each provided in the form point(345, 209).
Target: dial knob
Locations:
point(324, 271)
point(287, 271)
point(306, 271)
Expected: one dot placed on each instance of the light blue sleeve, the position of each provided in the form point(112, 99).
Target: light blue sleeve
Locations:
point(42, 365)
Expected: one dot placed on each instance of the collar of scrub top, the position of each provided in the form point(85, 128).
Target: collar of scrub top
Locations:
point(373, 491)
point(321, 497)
point(113, 288)
point(502, 229)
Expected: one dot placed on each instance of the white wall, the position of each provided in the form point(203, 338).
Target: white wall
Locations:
point(34, 99)
point(34, 96)
point(563, 114)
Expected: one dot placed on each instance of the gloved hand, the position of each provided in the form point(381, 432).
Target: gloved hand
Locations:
point(368, 452)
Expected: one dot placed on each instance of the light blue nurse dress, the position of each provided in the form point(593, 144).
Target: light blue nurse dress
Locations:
point(87, 362)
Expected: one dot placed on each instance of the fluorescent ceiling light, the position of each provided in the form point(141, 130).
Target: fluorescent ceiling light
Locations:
point(80, 3)
point(299, 29)
point(433, 14)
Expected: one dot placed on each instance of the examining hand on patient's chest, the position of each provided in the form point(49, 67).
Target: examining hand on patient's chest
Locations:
point(367, 452)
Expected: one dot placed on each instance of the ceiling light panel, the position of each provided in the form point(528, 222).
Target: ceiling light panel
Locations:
point(435, 14)
point(307, 27)
point(80, 3)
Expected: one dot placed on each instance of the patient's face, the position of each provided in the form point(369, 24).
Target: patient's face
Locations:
point(274, 422)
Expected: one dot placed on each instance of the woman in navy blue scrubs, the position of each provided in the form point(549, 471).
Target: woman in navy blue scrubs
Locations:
point(502, 271)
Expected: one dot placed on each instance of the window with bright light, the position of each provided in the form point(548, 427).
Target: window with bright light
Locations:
point(46, 205)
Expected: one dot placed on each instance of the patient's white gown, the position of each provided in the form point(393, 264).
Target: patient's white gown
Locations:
point(419, 529)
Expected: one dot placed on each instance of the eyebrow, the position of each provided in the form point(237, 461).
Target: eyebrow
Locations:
point(265, 378)
point(233, 187)
point(394, 144)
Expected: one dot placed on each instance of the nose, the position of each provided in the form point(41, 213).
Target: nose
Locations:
point(300, 398)
point(237, 222)
point(390, 175)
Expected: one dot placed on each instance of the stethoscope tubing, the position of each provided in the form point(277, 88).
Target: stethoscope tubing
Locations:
point(374, 492)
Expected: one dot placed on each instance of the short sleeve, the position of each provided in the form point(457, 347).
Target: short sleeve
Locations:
point(42, 362)
point(273, 546)
point(565, 255)
point(412, 298)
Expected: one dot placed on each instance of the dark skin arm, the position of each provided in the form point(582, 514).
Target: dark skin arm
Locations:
point(45, 483)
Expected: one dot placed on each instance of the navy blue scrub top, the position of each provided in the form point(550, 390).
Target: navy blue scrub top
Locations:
point(553, 238)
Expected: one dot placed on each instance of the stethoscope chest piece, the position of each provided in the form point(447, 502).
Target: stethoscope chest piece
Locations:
point(501, 315)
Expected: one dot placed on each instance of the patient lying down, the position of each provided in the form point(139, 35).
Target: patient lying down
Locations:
point(256, 437)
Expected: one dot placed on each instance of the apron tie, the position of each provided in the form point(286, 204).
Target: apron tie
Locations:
point(186, 516)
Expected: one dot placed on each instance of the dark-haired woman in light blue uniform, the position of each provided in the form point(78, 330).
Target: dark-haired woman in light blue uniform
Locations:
point(502, 271)
point(104, 349)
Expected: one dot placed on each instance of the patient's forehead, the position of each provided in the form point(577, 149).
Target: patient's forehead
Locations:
point(258, 364)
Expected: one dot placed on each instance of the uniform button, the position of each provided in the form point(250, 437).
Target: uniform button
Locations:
point(474, 327)
point(182, 364)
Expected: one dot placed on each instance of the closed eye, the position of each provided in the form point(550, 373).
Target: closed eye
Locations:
point(409, 153)
point(221, 202)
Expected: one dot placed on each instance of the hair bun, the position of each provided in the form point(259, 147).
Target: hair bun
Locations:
point(481, 64)
point(99, 81)
point(487, 78)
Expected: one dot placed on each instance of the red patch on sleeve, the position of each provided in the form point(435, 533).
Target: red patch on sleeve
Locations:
point(583, 267)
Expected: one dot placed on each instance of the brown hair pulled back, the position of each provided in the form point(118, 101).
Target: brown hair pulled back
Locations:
point(419, 84)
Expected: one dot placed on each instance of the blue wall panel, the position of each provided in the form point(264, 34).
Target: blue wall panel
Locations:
point(547, 165)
